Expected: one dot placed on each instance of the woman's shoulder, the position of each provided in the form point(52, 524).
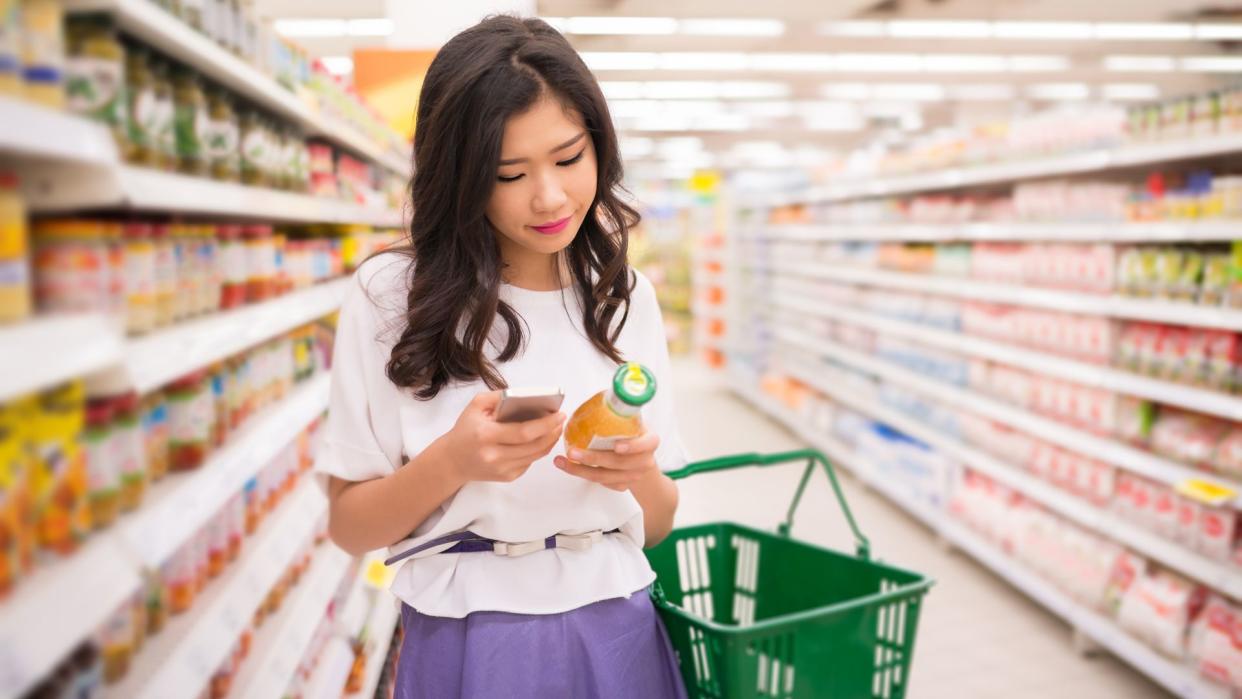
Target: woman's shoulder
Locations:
point(382, 285)
point(642, 291)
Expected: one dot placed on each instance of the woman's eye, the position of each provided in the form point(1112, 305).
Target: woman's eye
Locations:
point(515, 178)
point(571, 161)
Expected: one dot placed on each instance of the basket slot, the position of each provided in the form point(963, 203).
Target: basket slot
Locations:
point(890, 651)
point(746, 580)
point(775, 666)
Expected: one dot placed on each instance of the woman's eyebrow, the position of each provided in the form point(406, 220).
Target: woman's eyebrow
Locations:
point(563, 146)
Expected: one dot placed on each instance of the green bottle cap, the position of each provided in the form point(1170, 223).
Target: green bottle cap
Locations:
point(634, 384)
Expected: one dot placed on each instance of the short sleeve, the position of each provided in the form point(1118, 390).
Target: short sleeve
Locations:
point(661, 415)
point(362, 435)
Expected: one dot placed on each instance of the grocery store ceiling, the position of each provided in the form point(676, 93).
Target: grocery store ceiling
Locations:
point(811, 76)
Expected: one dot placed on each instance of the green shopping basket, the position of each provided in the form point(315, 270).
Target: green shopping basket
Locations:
point(759, 614)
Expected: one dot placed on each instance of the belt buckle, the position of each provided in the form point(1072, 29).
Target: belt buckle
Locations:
point(501, 548)
point(579, 542)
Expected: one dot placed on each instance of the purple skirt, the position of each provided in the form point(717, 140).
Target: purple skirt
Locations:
point(608, 650)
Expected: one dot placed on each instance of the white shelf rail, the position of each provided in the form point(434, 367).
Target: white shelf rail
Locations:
point(40, 353)
point(1224, 230)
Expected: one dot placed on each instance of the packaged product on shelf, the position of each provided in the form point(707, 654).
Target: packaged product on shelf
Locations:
point(10, 48)
point(1189, 512)
point(100, 452)
point(1215, 287)
point(222, 144)
point(1228, 457)
point(142, 110)
point(218, 543)
point(60, 480)
point(95, 80)
point(72, 266)
point(153, 592)
point(1218, 532)
point(14, 247)
point(261, 263)
point(1188, 437)
point(131, 455)
point(190, 412)
point(43, 52)
point(116, 639)
point(166, 289)
point(191, 122)
point(140, 279)
point(211, 277)
point(1215, 645)
point(233, 264)
point(1158, 608)
point(164, 116)
point(1127, 568)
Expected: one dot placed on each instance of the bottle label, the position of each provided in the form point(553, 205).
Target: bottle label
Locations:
point(101, 464)
point(222, 140)
point(189, 144)
point(605, 443)
point(144, 126)
point(93, 88)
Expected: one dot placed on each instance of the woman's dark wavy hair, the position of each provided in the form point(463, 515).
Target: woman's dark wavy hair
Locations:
point(497, 69)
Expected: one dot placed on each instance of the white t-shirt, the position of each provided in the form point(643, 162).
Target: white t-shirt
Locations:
point(374, 426)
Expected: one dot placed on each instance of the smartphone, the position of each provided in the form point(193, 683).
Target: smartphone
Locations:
point(522, 404)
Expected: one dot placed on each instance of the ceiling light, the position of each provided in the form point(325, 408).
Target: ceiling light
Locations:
point(1214, 32)
point(951, 29)
point(703, 61)
point(1042, 30)
point(1131, 91)
point(337, 65)
point(621, 89)
point(794, 62)
point(707, 89)
point(771, 109)
point(879, 62)
point(560, 24)
point(1059, 91)
point(964, 63)
point(639, 26)
point(620, 60)
point(631, 109)
point(1138, 64)
point(1212, 64)
point(379, 26)
point(818, 123)
point(680, 145)
point(732, 27)
point(855, 29)
point(981, 92)
point(753, 90)
point(916, 92)
point(637, 147)
point(1038, 64)
point(304, 28)
point(1143, 30)
point(846, 91)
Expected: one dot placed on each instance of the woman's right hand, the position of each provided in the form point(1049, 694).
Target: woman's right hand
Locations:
point(481, 449)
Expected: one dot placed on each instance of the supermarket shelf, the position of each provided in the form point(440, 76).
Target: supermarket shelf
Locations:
point(1221, 577)
point(329, 677)
point(1173, 676)
point(282, 642)
point(1197, 399)
point(52, 611)
point(187, 501)
point(156, 359)
point(1116, 453)
point(183, 658)
point(42, 352)
point(1115, 231)
point(34, 131)
point(52, 190)
point(147, 22)
point(380, 629)
point(1129, 155)
point(1150, 310)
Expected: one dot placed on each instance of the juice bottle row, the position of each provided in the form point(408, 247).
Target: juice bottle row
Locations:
point(75, 458)
point(149, 274)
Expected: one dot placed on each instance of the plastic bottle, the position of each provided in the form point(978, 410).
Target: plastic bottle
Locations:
point(14, 246)
point(43, 52)
point(614, 413)
point(140, 284)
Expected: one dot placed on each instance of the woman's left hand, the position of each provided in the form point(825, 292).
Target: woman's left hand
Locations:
point(629, 463)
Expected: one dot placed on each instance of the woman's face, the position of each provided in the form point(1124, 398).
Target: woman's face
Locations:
point(545, 184)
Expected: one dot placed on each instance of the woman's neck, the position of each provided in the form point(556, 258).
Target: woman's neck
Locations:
point(534, 271)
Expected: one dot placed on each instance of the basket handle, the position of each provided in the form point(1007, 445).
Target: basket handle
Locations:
point(812, 456)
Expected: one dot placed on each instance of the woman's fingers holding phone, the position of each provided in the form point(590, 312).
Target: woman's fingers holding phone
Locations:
point(523, 433)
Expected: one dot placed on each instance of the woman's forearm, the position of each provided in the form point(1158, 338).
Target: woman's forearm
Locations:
point(369, 515)
point(658, 497)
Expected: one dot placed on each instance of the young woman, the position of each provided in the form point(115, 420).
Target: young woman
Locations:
point(515, 275)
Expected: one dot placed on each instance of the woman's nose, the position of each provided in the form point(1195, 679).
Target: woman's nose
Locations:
point(550, 196)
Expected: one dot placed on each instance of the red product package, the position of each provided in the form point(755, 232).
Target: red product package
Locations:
point(1164, 507)
point(1123, 503)
point(1188, 437)
point(1228, 459)
point(1222, 359)
point(1216, 642)
point(1188, 514)
point(1218, 530)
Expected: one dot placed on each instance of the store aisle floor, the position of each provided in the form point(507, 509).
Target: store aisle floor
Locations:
point(977, 637)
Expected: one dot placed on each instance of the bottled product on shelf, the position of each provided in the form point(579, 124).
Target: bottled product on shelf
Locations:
point(173, 590)
point(15, 302)
point(78, 457)
point(153, 274)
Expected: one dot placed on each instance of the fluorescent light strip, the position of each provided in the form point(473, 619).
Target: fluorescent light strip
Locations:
point(1139, 64)
point(693, 89)
point(1040, 31)
point(1124, 92)
point(1212, 64)
point(338, 65)
point(732, 27)
point(878, 62)
point(325, 28)
point(704, 61)
point(635, 26)
point(1059, 91)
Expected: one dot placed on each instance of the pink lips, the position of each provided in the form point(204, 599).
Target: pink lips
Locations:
point(554, 227)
